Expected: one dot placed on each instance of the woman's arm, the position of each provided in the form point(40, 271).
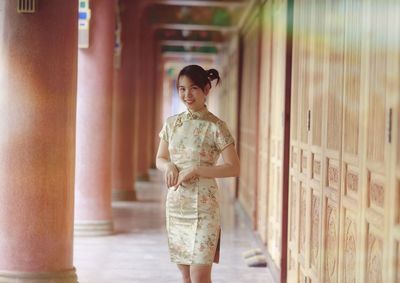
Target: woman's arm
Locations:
point(164, 164)
point(162, 158)
point(230, 167)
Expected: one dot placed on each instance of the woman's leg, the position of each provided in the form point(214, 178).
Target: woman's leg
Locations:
point(200, 273)
point(185, 270)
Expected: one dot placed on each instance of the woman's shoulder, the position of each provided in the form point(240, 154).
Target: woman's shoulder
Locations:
point(211, 117)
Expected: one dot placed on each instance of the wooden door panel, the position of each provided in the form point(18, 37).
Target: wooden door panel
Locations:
point(278, 57)
point(297, 198)
point(351, 201)
point(375, 174)
point(304, 70)
point(393, 94)
point(317, 91)
point(264, 122)
point(248, 123)
point(294, 191)
point(304, 148)
point(332, 141)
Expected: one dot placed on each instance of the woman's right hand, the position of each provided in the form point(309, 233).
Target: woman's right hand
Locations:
point(171, 175)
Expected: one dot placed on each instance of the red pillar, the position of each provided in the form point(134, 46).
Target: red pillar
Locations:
point(151, 89)
point(38, 61)
point(144, 102)
point(123, 169)
point(93, 214)
point(158, 117)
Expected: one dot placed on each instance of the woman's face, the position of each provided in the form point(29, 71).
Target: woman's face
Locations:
point(191, 95)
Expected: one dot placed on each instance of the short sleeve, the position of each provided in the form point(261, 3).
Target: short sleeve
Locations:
point(223, 137)
point(164, 135)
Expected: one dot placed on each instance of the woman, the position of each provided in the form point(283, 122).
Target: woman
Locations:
point(190, 144)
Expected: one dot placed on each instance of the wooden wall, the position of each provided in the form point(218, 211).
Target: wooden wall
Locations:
point(248, 124)
point(261, 126)
point(393, 195)
point(276, 12)
point(344, 189)
point(264, 121)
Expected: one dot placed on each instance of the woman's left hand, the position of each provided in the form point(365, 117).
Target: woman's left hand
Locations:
point(186, 175)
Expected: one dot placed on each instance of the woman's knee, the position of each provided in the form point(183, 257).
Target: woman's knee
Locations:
point(200, 274)
point(185, 271)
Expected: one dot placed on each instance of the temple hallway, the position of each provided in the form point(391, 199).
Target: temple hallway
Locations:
point(137, 252)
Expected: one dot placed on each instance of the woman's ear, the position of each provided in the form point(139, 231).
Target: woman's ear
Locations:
point(207, 89)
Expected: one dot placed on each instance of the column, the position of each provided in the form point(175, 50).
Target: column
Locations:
point(93, 214)
point(158, 99)
point(145, 103)
point(38, 62)
point(123, 109)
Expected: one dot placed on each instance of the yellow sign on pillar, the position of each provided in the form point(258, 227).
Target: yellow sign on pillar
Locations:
point(84, 24)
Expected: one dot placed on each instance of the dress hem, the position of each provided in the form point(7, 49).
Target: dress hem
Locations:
point(186, 263)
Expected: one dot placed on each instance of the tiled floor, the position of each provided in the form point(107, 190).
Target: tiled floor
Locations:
point(138, 253)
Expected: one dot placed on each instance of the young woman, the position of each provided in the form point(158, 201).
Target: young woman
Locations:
point(190, 144)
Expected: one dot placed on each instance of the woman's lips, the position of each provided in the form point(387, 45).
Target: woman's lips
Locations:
point(189, 102)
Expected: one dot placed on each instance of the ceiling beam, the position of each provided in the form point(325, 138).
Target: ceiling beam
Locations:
point(179, 63)
point(189, 55)
point(195, 27)
point(226, 4)
point(190, 43)
point(184, 60)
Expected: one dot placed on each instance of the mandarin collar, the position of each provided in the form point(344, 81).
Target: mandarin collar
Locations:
point(197, 114)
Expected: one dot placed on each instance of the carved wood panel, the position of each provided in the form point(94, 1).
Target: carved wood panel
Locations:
point(350, 247)
point(345, 162)
point(374, 256)
point(330, 259)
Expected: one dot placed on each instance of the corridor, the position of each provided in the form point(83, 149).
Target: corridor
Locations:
point(137, 252)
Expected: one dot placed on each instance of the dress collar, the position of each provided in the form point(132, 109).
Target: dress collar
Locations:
point(197, 114)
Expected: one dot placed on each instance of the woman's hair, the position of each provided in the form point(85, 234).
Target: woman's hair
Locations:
point(199, 76)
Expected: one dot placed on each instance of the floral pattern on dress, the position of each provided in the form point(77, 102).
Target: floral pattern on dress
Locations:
point(192, 210)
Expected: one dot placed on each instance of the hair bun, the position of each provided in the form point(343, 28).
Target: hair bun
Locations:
point(213, 74)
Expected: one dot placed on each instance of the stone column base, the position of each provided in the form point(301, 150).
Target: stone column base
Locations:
point(144, 177)
point(123, 195)
point(93, 228)
point(68, 276)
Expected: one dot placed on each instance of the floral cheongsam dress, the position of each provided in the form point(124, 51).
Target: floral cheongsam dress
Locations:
point(192, 210)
